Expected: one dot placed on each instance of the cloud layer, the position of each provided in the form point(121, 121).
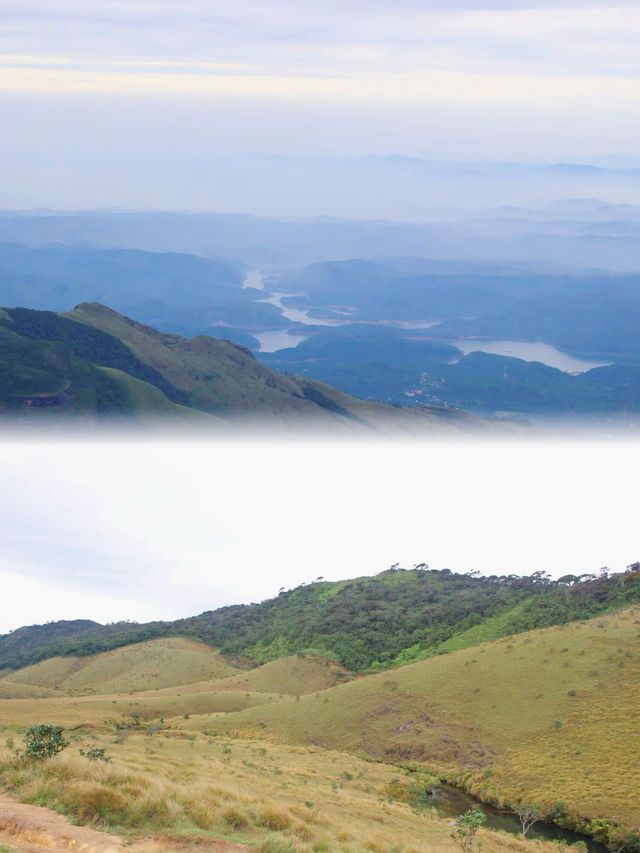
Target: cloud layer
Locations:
point(493, 80)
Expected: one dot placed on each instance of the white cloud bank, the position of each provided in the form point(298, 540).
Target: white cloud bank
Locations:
point(160, 529)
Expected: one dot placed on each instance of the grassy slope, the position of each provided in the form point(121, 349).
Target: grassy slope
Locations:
point(295, 675)
point(281, 799)
point(488, 716)
point(145, 399)
point(157, 663)
point(219, 377)
point(11, 690)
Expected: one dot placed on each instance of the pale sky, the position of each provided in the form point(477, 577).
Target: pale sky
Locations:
point(149, 528)
point(138, 103)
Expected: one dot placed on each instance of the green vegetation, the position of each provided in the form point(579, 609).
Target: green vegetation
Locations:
point(466, 829)
point(367, 623)
point(484, 718)
point(43, 741)
point(96, 753)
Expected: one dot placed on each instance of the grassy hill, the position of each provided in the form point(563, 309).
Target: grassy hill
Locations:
point(547, 716)
point(142, 666)
point(97, 363)
point(191, 789)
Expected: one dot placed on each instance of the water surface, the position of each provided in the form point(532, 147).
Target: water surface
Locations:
point(530, 351)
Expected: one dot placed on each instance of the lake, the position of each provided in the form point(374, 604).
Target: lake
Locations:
point(273, 341)
point(530, 351)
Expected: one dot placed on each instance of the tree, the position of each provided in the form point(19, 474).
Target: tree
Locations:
point(528, 815)
point(466, 827)
point(43, 741)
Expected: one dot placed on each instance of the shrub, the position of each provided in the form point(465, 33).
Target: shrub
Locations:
point(466, 827)
point(43, 741)
point(235, 819)
point(96, 754)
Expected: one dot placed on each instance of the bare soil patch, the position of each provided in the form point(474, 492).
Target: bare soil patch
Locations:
point(34, 829)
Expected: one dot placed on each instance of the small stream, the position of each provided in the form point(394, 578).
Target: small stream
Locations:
point(454, 802)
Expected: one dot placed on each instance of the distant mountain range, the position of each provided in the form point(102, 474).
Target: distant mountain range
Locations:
point(580, 233)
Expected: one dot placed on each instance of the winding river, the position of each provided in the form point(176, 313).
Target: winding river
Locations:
point(274, 340)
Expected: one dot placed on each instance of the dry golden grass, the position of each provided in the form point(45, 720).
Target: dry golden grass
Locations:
point(274, 797)
point(165, 662)
point(511, 707)
point(10, 690)
point(295, 675)
point(544, 716)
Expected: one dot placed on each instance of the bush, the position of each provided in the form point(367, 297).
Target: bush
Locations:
point(96, 754)
point(467, 825)
point(43, 741)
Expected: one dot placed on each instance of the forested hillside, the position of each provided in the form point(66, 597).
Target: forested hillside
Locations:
point(370, 622)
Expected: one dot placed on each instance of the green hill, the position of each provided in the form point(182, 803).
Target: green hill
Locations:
point(97, 363)
point(367, 623)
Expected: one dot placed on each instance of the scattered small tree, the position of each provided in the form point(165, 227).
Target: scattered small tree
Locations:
point(466, 827)
point(43, 741)
point(95, 754)
point(528, 815)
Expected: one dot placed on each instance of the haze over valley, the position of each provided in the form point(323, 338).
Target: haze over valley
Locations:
point(515, 313)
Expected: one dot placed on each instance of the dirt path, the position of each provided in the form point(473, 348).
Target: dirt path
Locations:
point(34, 829)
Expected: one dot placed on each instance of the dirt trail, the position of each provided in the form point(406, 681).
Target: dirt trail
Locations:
point(34, 829)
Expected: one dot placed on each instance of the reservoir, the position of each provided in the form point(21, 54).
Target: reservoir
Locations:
point(530, 351)
point(279, 339)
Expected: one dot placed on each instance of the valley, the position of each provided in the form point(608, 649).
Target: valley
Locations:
point(300, 755)
point(526, 314)
point(315, 750)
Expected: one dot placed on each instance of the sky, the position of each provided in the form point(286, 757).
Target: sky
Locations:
point(155, 528)
point(147, 103)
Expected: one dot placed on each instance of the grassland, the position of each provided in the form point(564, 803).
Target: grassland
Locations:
point(275, 797)
point(159, 663)
point(545, 716)
point(299, 755)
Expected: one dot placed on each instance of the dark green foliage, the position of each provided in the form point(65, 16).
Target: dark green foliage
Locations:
point(369, 622)
point(317, 397)
point(43, 741)
point(96, 754)
point(46, 375)
point(87, 343)
point(395, 368)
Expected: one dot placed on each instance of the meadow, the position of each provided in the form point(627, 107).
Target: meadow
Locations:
point(301, 755)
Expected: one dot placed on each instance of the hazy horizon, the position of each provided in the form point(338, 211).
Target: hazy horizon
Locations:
point(282, 108)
